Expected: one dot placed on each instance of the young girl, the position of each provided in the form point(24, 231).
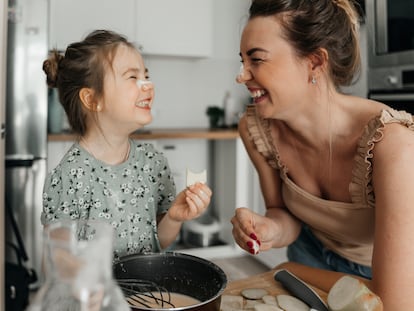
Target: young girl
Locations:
point(104, 90)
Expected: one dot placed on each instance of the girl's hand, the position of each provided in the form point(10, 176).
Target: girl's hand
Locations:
point(190, 203)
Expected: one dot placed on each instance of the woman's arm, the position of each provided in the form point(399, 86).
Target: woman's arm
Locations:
point(393, 181)
point(392, 268)
point(278, 228)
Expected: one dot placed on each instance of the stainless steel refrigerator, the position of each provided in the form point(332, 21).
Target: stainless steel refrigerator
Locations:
point(26, 121)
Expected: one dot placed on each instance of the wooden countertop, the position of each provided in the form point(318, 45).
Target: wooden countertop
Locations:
point(265, 281)
point(185, 133)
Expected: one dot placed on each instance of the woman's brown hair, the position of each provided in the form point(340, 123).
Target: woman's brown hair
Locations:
point(313, 24)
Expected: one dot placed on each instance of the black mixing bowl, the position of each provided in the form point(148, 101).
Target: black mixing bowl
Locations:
point(178, 273)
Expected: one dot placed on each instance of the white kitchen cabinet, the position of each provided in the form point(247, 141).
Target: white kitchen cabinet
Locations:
point(158, 27)
point(232, 183)
point(175, 27)
point(72, 20)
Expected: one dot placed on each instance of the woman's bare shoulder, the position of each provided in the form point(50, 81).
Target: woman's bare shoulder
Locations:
point(396, 145)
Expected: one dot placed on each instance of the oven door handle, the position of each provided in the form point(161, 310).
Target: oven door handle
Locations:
point(392, 97)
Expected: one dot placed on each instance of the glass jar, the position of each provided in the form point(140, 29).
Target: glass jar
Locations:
point(78, 269)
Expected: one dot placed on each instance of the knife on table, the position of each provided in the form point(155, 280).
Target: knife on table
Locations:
point(300, 290)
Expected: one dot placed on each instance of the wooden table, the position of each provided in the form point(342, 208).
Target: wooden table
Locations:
point(263, 280)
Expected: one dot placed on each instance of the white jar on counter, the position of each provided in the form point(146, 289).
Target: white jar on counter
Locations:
point(230, 110)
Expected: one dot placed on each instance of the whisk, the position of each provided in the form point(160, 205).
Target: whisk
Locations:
point(145, 293)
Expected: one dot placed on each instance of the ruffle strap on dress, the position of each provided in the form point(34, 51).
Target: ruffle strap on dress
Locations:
point(259, 130)
point(360, 188)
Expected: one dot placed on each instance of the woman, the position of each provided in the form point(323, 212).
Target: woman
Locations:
point(103, 87)
point(335, 170)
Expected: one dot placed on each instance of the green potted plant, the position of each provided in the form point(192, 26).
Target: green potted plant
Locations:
point(215, 115)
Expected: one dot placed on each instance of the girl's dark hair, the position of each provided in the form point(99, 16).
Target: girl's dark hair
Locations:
point(83, 65)
point(313, 24)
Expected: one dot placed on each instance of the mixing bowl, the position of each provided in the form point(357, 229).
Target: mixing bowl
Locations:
point(178, 273)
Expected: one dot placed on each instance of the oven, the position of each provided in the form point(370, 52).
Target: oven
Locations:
point(390, 26)
point(393, 87)
point(399, 100)
point(390, 36)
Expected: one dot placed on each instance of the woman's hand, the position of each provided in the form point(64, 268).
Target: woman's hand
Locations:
point(190, 203)
point(251, 231)
point(254, 232)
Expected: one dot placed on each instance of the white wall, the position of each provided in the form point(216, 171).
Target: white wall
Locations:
point(186, 87)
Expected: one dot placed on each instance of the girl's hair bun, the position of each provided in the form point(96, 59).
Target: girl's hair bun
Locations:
point(51, 67)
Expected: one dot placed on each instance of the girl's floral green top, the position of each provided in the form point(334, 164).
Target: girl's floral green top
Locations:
point(129, 195)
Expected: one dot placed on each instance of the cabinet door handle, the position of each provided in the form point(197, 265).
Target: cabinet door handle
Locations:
point(169, 147)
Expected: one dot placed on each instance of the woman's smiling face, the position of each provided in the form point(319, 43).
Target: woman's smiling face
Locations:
point(272, 72)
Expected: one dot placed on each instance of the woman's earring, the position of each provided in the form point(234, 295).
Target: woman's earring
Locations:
point(313, 80)
point(98, 107)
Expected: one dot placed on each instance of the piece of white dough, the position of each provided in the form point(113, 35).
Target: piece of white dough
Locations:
point(254, 293)
point(291, 303)
point(266, 307)
point(231, 302)
point(193, 178)
point(269, 299)
point(256, 247)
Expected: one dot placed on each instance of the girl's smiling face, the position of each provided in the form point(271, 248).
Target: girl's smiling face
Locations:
point(275, 76)
point(128, 95)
